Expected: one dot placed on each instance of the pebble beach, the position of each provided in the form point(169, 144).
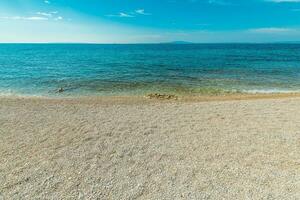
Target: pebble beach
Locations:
point(118, 148)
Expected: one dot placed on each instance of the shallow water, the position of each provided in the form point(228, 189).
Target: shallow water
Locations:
point(192, 69)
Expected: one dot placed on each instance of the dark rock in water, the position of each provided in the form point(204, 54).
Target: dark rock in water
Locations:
point(162, 96)
point(60, 90)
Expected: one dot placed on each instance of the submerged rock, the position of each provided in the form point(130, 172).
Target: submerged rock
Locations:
point(60, 90)
point(162, 96)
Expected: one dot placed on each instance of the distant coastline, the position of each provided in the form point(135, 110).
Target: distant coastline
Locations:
point(154, 43)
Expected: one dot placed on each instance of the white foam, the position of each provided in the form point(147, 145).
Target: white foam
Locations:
point(11, 93)
point(270, 91)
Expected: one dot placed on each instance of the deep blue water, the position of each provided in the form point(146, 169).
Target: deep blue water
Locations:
point(191, 69)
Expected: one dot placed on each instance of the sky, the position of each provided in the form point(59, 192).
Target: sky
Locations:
point(149, 21)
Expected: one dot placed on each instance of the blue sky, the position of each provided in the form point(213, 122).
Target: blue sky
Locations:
point(147, 21)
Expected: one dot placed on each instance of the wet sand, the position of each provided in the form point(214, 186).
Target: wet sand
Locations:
point(137, 148)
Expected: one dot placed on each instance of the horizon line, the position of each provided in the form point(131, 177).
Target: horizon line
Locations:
point(141, 43)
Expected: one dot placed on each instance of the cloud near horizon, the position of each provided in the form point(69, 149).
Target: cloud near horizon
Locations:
point(273, 30)
point(284, 1)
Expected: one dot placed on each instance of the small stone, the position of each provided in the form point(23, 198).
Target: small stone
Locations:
point(60, 90)
point(162, 96)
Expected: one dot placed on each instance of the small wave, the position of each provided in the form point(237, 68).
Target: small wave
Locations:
point(8, 93)
point(270, 91)
point(11, 93)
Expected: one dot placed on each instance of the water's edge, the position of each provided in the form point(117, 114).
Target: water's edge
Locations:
point(149, 98)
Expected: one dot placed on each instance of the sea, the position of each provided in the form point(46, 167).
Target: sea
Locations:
point(63, 70)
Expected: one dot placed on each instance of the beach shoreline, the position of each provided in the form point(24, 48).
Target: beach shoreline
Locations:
point(155, 97)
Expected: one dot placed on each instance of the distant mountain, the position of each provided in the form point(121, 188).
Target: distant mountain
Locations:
point(179, 42)
point(289, 42)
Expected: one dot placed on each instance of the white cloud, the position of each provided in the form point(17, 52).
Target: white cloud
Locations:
point(121, 14)
point(34, 18)
point(39, 16)
point(44, 14)
point(130, 14)
point(220, 2)
point(47, 14)
point(58, 18)
point(284, 1)
point(141, 12)
point(272, 30)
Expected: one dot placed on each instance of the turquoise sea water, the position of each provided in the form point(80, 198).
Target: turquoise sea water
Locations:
point(189, 69)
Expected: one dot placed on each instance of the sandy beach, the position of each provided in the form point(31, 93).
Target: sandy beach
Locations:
point(118, 148)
